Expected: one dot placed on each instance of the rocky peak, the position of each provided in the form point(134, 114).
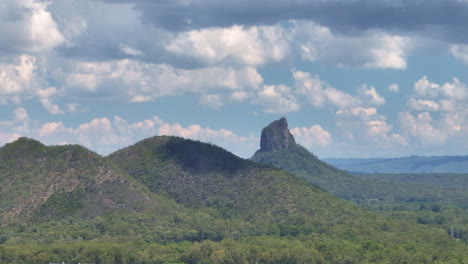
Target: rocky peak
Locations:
point(276, 136)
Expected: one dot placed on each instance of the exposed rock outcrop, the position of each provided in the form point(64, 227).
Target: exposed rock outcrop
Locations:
point(276, 136)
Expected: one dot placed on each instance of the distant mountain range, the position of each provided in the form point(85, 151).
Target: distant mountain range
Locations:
point(411, 164)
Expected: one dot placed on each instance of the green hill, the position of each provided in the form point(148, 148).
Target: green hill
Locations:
point(172, 200)
point(259, 200)
point(299, 161)
point(53, 182)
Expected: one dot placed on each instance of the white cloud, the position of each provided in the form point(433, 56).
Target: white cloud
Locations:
point(460, 52)
point(436, 113)
point(135, 81)
point(51, 107)
point(370, 96)
point(424, 88)
point(372, 49)
point(429, 96)
point(27, 26)
point(365, 125)
point(423, 105)
point(277, 99)
point(394, 88)
point(213, 101)
point(421, 128)
point(236, 44)
point(19, 77)
point(22, 80)
point(106, 135)
point(312, 137)
point(320, 94)
point(240, 96)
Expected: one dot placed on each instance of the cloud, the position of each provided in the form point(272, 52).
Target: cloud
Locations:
point(370, 96)
point(135, 81)
point(22, 79)
point(372, 49)
point(436, 114)
point(320, 94)
point(19, 77)
point(27, 26)
point(429, 94)
point(423, 105)
point(213, 101)
point(255, 45)
point(456, 90)
point(312, 137)
point(106, 135)
point(421, 128)
point(276, 99)
point(343, 16)
point(51, 107)
point(460, 52)
point(364, 125)
point(394, 88)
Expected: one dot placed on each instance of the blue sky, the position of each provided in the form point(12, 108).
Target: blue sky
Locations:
point(356, 78)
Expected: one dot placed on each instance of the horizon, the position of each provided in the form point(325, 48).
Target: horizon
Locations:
point(105, 74)
point(323, 159)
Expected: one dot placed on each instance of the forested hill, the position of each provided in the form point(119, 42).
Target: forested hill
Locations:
point(379, 191)
point(278, 148)
point(53, 182)
point(173, 200)
point(411, 164)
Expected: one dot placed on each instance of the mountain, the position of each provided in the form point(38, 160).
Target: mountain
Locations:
point(200, 175)
point(255, 199)
point(296, 159)
point(276, 136)
point(412, 164)
point(43, 182)
point(375, 191)
point(173, 200)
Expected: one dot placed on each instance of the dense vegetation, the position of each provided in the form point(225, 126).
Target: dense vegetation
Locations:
point(439, 200)
point(170, 200)
point(432, 199)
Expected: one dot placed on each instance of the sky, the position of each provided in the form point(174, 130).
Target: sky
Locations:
point(354, 78)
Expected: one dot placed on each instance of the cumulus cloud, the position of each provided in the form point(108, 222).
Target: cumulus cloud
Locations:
point(27, 26)
point(449, 93)
point(106, 135)
point(372, 49)
point(136, 81)
point(364, 124)
point(277, 99)
point(424, 129)
point(255, 45)
point(18, 77)
point(320, 94)
point(314, 136)
point(436, 113)
point(370, 96)
point(423, 105)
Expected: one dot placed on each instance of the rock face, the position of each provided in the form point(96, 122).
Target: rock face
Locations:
point(276, 136)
